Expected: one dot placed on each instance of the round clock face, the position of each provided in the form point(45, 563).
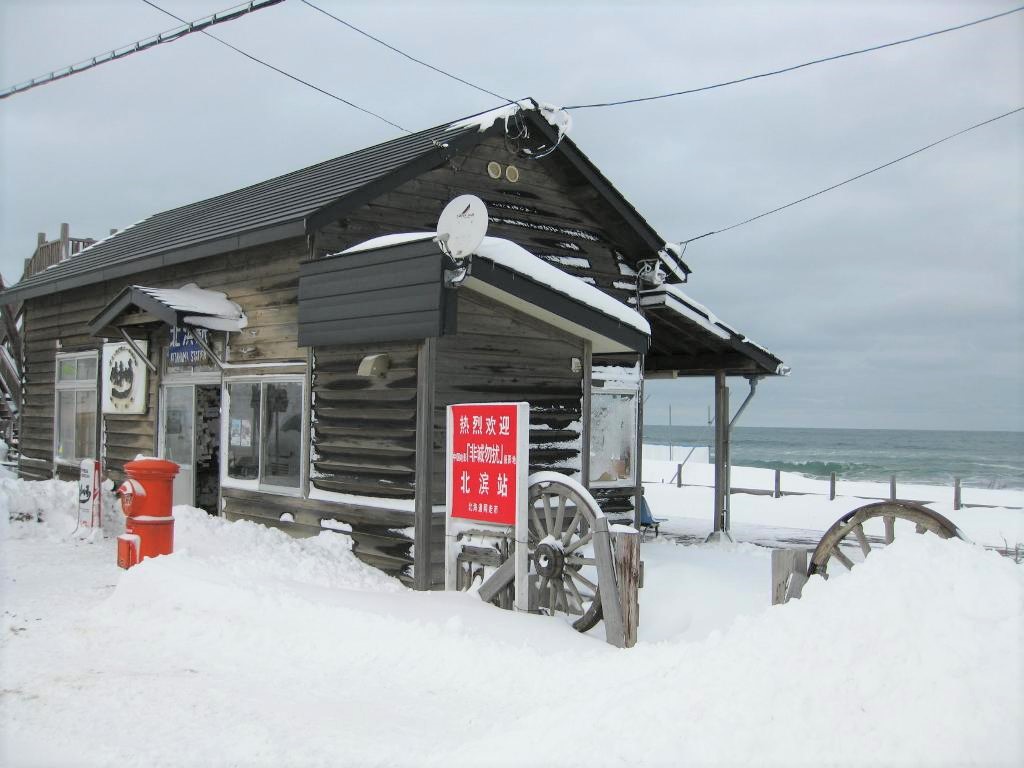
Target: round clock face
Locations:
point(121, 373)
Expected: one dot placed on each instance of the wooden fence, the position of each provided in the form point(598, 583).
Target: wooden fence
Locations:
point(777, 491)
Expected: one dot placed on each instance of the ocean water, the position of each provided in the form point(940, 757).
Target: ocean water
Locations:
point(979, 459)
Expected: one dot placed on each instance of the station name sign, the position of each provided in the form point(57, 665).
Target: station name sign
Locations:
point(183, 349)
point(487, 460)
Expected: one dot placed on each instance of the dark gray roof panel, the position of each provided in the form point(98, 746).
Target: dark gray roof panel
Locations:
point(260, 207)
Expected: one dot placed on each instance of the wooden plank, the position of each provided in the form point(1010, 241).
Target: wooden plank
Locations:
point(424, 461)
point(626, 551)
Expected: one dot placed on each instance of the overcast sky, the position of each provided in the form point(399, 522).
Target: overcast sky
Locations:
point(897, 299)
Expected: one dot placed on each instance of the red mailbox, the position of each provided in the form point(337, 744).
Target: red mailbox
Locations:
point(146, 501)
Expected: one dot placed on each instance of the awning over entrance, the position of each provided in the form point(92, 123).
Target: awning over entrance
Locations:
point(401, 287)
point(688, 340)
point(139, 306)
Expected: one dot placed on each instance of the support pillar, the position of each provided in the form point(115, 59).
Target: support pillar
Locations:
point(424, 504)
point(721, 518)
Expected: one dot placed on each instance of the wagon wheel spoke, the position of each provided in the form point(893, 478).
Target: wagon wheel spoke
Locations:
point(570, 587)
point(582, 542)
point(862, 539)
point(581, 561)
point(535, 524)
point(547, 512)
point(838, 554)
point(559, 519)
point(919, 528)
point(582, 579)
point(567, 535)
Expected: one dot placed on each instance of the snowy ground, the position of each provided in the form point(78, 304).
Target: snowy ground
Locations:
point(247, 647)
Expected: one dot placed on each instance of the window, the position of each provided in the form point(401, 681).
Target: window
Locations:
point(613, 438)
point(75, 414)
point(264, 434)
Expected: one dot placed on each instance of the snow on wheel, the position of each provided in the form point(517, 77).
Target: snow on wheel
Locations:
point(563, 564)
point(850, 528)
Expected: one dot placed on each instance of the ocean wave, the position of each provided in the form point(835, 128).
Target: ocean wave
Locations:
point(821, 468)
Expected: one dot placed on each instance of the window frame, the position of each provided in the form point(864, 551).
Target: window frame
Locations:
point(226, 481)
point(75, 385)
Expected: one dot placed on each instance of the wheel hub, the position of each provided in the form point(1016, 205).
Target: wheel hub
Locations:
point(549, 561)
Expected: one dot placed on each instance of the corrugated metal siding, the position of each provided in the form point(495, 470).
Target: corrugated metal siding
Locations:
point(372, 296)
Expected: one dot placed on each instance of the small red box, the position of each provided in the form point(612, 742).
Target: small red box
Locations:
point(127, 550)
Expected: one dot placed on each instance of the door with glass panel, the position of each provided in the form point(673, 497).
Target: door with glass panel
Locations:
point(190, 437)
point(177, 438)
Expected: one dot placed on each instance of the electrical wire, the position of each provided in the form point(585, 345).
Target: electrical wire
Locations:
point(854, 178)
point(286, 74)
point(400, 52)
point(797, 66)
point(145, 43)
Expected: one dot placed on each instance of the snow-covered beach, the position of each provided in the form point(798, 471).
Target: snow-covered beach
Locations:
point(247, 647)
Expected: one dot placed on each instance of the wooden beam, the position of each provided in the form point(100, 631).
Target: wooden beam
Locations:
point(424, 508)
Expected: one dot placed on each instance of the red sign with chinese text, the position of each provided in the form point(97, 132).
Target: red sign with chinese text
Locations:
point(483, 461)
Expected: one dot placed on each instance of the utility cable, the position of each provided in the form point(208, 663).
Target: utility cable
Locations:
point(390, 47)
point(141, 45)
point(798, 66)
point(854, 178)
point(286, 74)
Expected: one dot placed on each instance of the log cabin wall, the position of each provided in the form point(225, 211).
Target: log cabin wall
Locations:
point(502, 355)
point(551, 211)
point(263, 280)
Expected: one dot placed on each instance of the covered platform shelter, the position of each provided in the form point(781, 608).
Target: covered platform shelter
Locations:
point(688, 340)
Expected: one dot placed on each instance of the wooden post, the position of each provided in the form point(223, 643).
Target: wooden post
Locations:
point(626, 550)
point(832, 487)
point(588, 367)
point(679, 476)
point(65, 242)
point(892, 488)
point(956, 493)
point(778, 485)
point(424, 503)
point(721, 450)
point(789, 574)
point(614, 629)
point(638, 459)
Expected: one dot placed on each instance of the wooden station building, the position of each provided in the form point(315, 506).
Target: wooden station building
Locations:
point(304, 387)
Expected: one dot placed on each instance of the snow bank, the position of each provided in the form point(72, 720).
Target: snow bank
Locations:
point(249, 647)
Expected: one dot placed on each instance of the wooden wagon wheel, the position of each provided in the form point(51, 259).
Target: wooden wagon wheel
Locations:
point(561, 552)
point(852, 524)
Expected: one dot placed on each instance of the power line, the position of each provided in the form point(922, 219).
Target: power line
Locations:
point(286, 74)
point(854, 178)
point(147, 42)
point(390, 47)
point(797, 66)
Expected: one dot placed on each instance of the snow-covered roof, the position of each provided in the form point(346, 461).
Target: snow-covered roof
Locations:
point(203, 308)
point(507, 254)
point(674, 298)
point(694, 310)
point(556, 116)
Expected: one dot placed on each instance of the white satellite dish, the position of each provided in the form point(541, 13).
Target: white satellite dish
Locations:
point(462, 226)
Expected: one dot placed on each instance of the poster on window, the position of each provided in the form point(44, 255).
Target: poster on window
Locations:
point(125, 378)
